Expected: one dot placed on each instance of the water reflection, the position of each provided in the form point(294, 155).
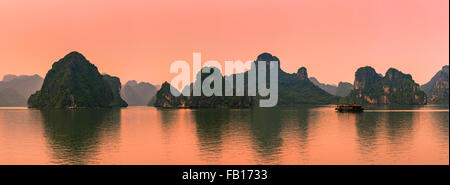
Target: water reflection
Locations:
point(256, 131)
point(394, 135)
point(295, 135)
point(367, 130)
point(210, 127)
point(266, 125)
point(399, 126)
point(168, 118)
point(281, 135)
point(75, 136)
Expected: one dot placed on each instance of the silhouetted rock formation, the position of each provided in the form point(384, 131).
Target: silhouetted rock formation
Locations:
point(437, 88)
point(293, 89)
point(165, 99)
point(302, 74)
point(366, 76)
point(73, 82)
point(394, 88)
point(115, 86)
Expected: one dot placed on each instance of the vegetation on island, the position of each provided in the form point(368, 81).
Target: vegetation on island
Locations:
point(437, 88)
point(74, 82)
point(293, 89)
point(394, 88)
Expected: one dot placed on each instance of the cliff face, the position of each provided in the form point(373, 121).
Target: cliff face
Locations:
point(394, 88)
point(438, 87)
point(136, 94)
point(366, 76)
point(73, 82)
point(293, 89)
point(115, 86)
point(165, 99)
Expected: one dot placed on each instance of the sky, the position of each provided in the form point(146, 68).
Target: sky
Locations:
point(139, 39)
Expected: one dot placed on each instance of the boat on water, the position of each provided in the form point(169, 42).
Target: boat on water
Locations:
point(350, 108)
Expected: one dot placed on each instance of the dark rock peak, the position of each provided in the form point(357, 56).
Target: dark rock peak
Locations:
point(302, 73)
point(74, 54)
point(74, 82)
point(114, 78)
point(267, 57)
point(365, 76)
point(367, 70)
point(72, 58)
point(165, 85)
point(445, 68)
point(393, 74)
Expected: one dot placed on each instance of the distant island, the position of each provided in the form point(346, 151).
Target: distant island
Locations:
point(341, 90)
point(15, 89)
point(138, 94)
point(74, 82)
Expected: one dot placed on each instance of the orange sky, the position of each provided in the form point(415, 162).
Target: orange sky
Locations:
point(139, 39)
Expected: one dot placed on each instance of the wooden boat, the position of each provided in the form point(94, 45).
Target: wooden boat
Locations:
point(349, 108)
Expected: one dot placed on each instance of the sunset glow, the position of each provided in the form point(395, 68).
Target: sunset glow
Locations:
point(138, 40)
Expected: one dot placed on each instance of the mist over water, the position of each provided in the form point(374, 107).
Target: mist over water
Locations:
point(281, 135)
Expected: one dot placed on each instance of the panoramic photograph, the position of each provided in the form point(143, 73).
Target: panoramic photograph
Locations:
point(192, 82)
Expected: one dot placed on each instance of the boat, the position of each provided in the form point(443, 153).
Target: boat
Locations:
point(350, 108)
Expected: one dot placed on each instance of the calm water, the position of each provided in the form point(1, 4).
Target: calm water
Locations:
point(288, 135)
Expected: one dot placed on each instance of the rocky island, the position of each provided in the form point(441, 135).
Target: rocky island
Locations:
point(295, 88)
point(437, 88)
point(394, 88)
point(74, 82)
